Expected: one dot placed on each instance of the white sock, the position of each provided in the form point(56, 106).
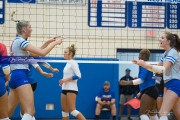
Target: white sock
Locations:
point(144, 117)
point(163, 118)
point(22, 116)
point(27, 116)
point(154, 117)
point(4, 119)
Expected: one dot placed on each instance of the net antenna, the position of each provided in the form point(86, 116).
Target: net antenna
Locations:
point(12, 16)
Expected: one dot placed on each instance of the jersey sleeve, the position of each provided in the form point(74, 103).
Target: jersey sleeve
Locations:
point(45, 64)
point(3, 50)
point(75, 68)
point(172, 56)
point(35, 65)
point(142, 73)
point(23, 43)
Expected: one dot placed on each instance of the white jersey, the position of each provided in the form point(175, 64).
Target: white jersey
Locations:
point(17, 49)
point(173, 72)
point(70, 70)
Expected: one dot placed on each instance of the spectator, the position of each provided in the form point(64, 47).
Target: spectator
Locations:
point(126, 93)
point(106, 99)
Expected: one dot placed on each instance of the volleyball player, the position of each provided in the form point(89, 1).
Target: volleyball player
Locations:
point(20, 87)
point(71, 74)
point(4, 76)
point(169, 65)
point(32, 78)
point(148, 90)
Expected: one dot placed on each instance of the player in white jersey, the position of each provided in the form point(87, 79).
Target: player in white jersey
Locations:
point(20, 86)
point(71, 74)
point(170, 67)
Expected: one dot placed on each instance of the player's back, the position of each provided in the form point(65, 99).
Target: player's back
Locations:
point(146, 76)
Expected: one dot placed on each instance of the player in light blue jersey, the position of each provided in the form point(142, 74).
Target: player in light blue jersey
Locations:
point(20, 87)
point(32, 78)
point(4, 76)
point(148, 90)
point(169, 65)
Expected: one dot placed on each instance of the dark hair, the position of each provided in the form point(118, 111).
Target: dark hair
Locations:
point(72, 49)
point(174, 40)
point(145, 53)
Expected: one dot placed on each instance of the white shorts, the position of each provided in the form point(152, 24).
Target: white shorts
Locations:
point(125, 98)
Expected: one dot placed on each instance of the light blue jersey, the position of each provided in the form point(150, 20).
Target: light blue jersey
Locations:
point(17, 49)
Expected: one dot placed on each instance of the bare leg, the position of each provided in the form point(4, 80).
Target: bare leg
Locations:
point(71, 99)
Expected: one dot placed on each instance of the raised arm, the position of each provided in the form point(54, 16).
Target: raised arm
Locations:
point(48, 66)
point(48, 42)
point(38, 68)
point(35, 51)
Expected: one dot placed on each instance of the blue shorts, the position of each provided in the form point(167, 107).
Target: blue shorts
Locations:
point(19, 77)
point(2, 86)
point(174, 85)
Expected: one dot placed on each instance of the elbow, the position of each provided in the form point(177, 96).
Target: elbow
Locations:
point(42, 54)
point(75, 77)
point(137, 81)
point(79, 76)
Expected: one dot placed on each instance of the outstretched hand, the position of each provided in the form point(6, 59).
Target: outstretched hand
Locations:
point(55, 70)
point(59, 39)
point(139, 62)
point(48, 75)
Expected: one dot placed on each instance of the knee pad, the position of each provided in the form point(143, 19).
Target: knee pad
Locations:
point(154, 117)
point(163, 118)
point(144, 117)
point(65, 114)
point(74, 113)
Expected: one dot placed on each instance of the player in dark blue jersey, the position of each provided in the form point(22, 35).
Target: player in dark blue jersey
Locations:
point(149, 92)
point(4, 76)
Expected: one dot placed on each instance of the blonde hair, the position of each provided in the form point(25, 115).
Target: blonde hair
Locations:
point(20, 23)
point(72, 49)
